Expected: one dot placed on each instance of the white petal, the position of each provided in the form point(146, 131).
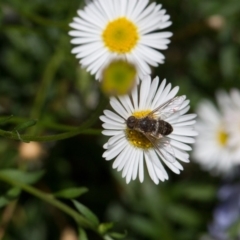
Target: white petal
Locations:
point(172, 167)
point(113, 126)
point(151, 171)
point(111, 132)
point(141, 171)
point(181, 155)
point(113, 116)
point(110, 121)
point(180, 145)
point(121, 157)
point(136, 163)
point(182, 139)
point(155, 102)
point(129, 151)
point(119, 108)
point(128, 164)
point(116, 138)
point(152, 91)
point(184, 131)
point(114, 150)
point(145, 86)
point(126, 102)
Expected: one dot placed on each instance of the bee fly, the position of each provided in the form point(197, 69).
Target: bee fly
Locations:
point(155, 128)
point(148, 125)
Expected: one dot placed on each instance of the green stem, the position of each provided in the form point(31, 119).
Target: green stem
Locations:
point(49, 125)
point(15, 135)
point(55, 126)
point(47, 79)
point(51, 200)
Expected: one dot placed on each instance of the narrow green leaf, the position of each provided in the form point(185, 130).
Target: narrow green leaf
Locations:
point(118, 235)
point(4, 201)
point(13, 193)
point(184, 215)
point(200, 193)
point(24, 177)
point(107, 237)
point(25, 125)
point(82, 234)
point(9, 196)
point(71, 193)
point(86, 212)
point(4, 120)
point(104, 227)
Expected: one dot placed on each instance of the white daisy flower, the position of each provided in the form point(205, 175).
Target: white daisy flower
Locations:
point(230, 105)
point(138, 135)
point(214, 148)
point(120, 29)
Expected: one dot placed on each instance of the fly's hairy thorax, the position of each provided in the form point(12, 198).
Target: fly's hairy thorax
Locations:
point(147, 124)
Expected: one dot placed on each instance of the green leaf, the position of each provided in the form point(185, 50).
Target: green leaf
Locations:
point(104, 227)
point(25, 125)
point(13, 193)
point(82, 234)
point(24, 177)
point(195, 191)
point(200, 193)
point(70, 192)
point(184, 215)
point(4, 120)
point(86, 212)
point(4, 201)
point(118, 235)
point(145, 226)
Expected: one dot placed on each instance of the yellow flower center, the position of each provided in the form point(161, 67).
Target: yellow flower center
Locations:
point(136, 138)
point(222, 137)
point(120, 36)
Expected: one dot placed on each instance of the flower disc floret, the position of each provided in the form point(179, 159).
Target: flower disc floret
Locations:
point(137, 139)
point(222, 137)
point(120, 36)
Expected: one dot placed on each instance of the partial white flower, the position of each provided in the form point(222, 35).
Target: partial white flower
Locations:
point(130, 148)
point(215, 148)
point(230, 106)
point(120, 29)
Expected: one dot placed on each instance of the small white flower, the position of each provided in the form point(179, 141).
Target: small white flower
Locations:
point(230, 105)
point(130, 148)
point(120, 29)
point(215, 148)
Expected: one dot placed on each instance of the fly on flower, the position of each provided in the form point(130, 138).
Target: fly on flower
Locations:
point(153, 126)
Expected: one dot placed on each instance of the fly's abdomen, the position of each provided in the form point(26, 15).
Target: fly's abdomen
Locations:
point(164, 128)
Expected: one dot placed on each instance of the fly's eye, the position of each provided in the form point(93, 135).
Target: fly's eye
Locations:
point(131, 121)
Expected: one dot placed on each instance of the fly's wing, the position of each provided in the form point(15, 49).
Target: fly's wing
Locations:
point(162, 147)
point(168, 108)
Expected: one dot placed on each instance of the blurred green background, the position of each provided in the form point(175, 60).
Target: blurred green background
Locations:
point(41, 79)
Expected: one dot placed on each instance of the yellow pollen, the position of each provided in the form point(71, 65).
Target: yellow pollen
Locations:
point(120, 36)
point(141, 114)
point(222, 138)
point(136, 138)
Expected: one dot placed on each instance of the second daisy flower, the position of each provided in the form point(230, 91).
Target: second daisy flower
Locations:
point(120, 29)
